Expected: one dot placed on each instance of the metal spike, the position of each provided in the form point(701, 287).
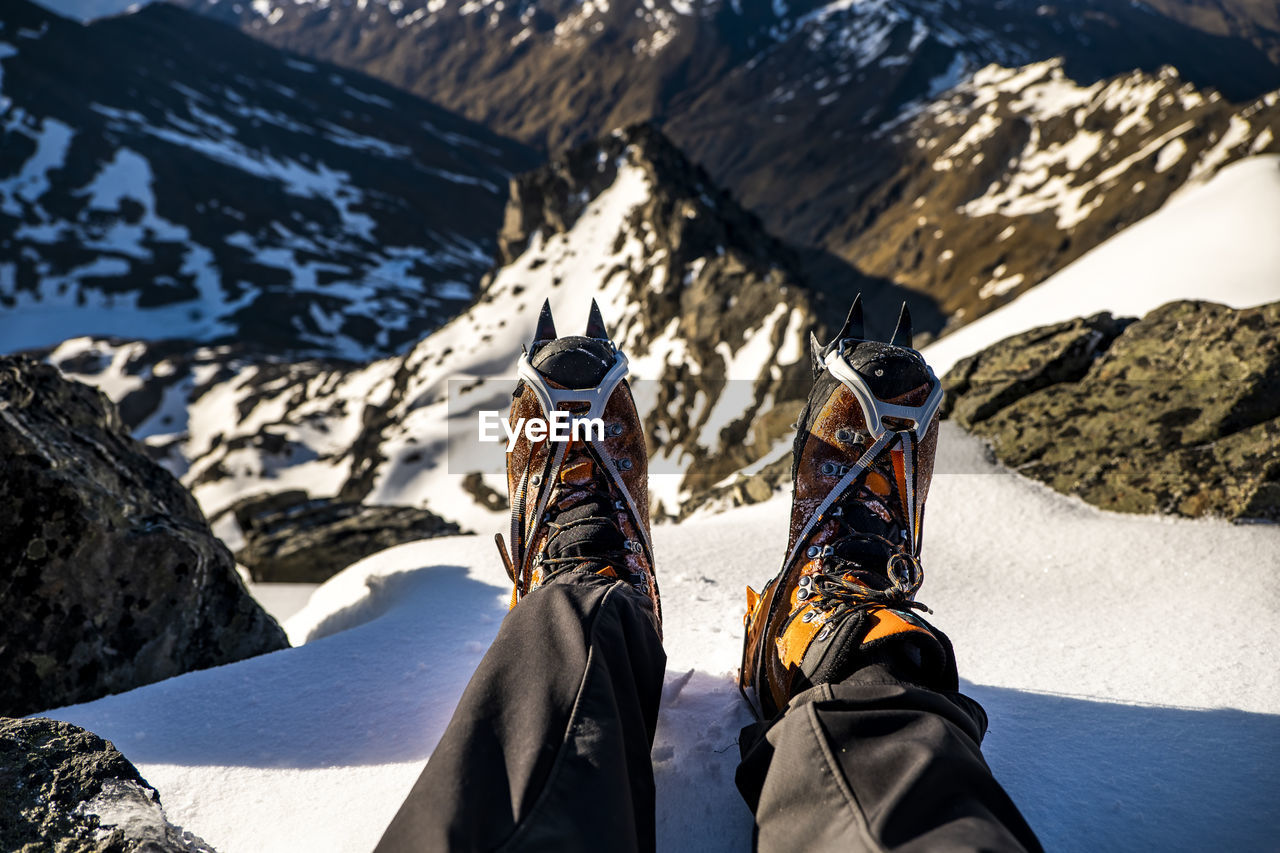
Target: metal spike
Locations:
point(546, 330)
point(595, 324)
point(815, 355)
point(902, 333)
point(853, 323)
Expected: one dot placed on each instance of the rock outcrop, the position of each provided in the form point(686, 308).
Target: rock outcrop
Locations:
point(1177, 413)
point(111, 577)
point(65, 789)
point(291, 538)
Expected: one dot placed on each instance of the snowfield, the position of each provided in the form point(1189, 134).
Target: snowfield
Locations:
point(1216, 241)
point(1126, 662)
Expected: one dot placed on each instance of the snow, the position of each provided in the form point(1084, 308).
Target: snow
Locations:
point(32, 180)
point(741, 370)
point(365, 97)
point(434, 439)
point(1170, 155)
point(1237, 133)
point(6, 50)
point(1214, 241)
point(351, 139)
point(1123, 703)
point(1063, 168)
point(282, 600)
point(64, 306)
point(217, 141)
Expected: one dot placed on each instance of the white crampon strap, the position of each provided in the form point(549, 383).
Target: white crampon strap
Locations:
point(875, 410)
point(551, 398)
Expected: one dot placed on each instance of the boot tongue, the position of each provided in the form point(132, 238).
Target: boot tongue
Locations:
point(574, 362)
point(867, 556)
point(588, 539)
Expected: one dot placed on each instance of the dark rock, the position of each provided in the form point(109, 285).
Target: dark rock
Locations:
point(486, 496)
point(1180, 415)
point(65, 789)
point(291, 539)
point(111, 577)
point(743, 490)
point(988, 381)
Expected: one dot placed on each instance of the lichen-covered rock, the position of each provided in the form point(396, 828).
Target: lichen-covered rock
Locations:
point(289, 538)
point(1180, 415)
point(988, 381)
point(111, 577)
point(67, 790)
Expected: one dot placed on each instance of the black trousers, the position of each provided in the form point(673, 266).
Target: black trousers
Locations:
point(549, 750)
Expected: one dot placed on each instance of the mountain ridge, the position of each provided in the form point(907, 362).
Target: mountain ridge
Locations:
point(797, 108)
point(166, 176)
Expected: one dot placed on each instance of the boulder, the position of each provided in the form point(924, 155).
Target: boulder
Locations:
point(1179, 413)
point(65, 789)
point(988, 381)
point(484, 494)
point(289, 538)
point(111, 577)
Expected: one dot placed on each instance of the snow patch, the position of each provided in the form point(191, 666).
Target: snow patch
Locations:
point(1213, 241)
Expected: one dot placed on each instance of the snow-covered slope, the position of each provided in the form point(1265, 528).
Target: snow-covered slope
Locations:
point(702, 301)
point(1127, 710)
point(1016, 172)
point(164, 176)
point(1217, 241)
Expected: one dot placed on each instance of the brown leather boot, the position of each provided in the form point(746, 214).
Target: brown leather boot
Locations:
point(580, 504)
point(862, 463)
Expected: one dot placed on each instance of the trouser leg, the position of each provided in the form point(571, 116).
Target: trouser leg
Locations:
point(549, 746)
point(875, 763)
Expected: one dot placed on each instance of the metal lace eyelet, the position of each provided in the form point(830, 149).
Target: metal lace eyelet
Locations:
point(825, 632)
point(535, 480)
point(806, 580)
point(624, 464)
point(828, 468)
point(813, 551)
point(809, 616)
point(843, 435)
point(828, 550)
point(615, 429)
point(802, 594)
point(619, 505)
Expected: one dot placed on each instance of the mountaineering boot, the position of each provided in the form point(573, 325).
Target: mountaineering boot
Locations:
point(861, 465)
point(580, 504)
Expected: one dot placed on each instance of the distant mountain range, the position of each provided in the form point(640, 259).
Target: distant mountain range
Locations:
point(803, 109)
point(162, 175)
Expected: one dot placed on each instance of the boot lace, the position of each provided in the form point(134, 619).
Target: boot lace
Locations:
point(846, 585)
point(593, 493)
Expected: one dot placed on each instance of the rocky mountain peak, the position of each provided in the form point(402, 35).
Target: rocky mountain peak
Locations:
point(552, 197)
